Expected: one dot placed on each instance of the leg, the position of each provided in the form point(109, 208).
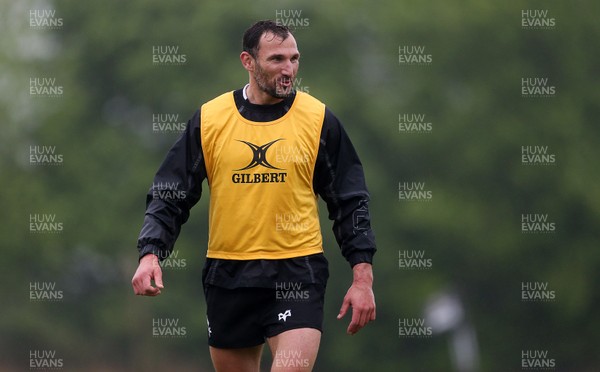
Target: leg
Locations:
point(236, 360)
point(295, 350)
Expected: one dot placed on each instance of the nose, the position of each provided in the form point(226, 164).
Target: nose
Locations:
point(288, 68)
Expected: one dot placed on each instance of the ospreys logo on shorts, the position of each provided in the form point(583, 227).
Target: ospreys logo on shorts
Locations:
point(259, 157)
point(283, 316)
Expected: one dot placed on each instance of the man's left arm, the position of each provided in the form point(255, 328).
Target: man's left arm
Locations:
point(339, 180)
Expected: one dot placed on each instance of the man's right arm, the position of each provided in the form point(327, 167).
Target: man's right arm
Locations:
point(176, 188)
point(339, 179)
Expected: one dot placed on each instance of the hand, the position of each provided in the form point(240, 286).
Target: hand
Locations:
point(361, 298)
point(147, 270)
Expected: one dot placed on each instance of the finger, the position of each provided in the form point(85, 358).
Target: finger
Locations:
point(354, 325)
point(344, 308)
point(138, 285)
point(146, 288)
point(363, 316)
point(152, 291)
point(353, 328)
point(368, 315)
point(158, 277)
point(134, 285)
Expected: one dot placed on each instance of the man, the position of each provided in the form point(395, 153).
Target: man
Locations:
point(266, 151)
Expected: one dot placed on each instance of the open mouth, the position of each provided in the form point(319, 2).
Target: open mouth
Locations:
point(284, 86)
point(286, 83)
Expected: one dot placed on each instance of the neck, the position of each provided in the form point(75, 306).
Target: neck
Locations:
point(258, 97)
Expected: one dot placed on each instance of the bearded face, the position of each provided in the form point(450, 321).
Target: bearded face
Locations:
point(276, 85)
point(276, 65)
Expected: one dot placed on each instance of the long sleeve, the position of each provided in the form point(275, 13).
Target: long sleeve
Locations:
point(339, 180)
point(176, 188)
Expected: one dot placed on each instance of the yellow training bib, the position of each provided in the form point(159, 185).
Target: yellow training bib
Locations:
point(262, 202)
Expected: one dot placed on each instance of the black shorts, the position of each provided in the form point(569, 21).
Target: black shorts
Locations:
point(245, 317)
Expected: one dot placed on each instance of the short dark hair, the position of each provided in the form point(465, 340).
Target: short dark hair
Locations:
point(256, 31)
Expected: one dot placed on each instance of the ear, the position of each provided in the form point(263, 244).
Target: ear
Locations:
point(247, 61)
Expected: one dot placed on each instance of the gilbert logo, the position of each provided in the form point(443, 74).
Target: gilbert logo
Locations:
point(259, 157)
point(283, 316)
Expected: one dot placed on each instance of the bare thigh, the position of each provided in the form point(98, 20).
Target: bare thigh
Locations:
point(295, 350)
point(236, 360)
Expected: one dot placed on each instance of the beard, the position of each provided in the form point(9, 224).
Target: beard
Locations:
point(271, 88)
